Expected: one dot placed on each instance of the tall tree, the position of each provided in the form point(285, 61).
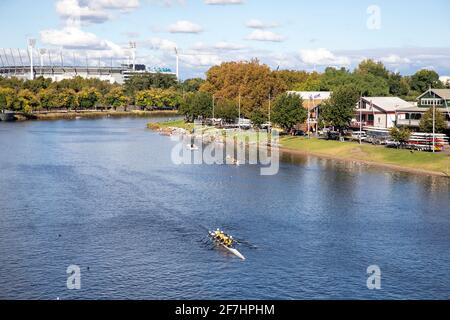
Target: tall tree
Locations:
point(25, 101)
point(372, 67)
point(426, 123)
point(339, 110)
point(251, 80)
point(67, 99)
point(88, 98)
point(288, 111)
point(197, 105)
point(226, 110)
point(6, 98)
point(116, 98)
point(422, 80)
point(48, 98)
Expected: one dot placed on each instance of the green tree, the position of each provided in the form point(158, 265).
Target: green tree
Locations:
point(196, 105)
point(422, 80)
point(398, 86)
point(67, 99)
point(339, 110)
point(227, 110)
point(116, 98)
point(426, 123)
point(6, 98)
point(25, 101)
point(372, 67)
point(146, 81)
point(192, 85)
point(258, 118)
point(288, 111)
point(48, 99)
point(88, 98)
point(401, 135)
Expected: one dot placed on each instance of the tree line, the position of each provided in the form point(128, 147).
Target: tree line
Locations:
point(252, 85)
point(147, 91)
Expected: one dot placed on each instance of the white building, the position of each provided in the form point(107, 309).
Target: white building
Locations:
point(379, 112)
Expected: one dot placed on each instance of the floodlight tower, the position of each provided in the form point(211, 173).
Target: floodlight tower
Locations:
point(42, 52)
point(178, 64)
point(133, 53)
point(31, 45)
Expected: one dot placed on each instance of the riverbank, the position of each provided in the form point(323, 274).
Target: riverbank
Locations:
point(397, 159)
point(404, 160)
point(71, 115)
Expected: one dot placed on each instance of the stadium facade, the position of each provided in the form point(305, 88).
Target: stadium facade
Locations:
point(30, 64)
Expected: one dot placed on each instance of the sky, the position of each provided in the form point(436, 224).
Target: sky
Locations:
point(406, 35)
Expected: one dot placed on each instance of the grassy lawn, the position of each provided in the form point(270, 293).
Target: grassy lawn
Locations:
point(438, 162)
point(171, 124)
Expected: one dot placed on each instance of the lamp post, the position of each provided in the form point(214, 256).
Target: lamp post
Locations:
point(177, 64)
point(133, 54)
point(31, 45)
point(434, 124)
point(270, 107)
point(239, 121)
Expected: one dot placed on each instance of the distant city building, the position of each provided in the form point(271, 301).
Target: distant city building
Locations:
point(445, 80)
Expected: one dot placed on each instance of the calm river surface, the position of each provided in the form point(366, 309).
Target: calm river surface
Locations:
point(104, 195)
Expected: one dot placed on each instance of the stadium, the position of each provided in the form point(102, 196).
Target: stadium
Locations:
point(60, 65)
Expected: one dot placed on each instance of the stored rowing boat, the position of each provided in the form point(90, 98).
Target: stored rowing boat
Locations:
point(229, 249)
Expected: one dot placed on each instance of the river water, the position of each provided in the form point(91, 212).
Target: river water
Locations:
point(104, 195)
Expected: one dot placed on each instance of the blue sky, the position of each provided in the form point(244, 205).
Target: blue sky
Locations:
point(295, 34)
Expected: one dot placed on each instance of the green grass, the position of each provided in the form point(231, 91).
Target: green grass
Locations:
point(171, 124)
point(436, 162)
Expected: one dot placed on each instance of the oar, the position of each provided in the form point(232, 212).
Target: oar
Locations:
point(245, 243)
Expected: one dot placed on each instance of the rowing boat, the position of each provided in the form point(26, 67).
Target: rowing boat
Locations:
point(229, 249)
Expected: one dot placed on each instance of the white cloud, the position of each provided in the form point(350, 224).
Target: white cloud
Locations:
point(223, 2)
point(322, 57)
point(261, 35)
point(201, 60)
point(394, 59)
point(72, 38)
point(185, 26)
point(162, 44)
point(258, 24)
point(228, 46)
point(93, 11)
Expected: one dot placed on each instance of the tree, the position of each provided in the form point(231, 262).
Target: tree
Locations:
point(401, 135)
point(48, 99)
point(398, 86)
point(88, 98)
point(339, 110)
point(192, 85)
point(426, 123)
point(6, 98)
point(67, 99)
point(422, 80)
point(258, 118)
point(116, 98)
point(288, 111)
point(198, 104)
point(251, 80)
point(148, 81)
point(226, 110)
point(374, 68)
point(158, 98)
point(25, 101)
